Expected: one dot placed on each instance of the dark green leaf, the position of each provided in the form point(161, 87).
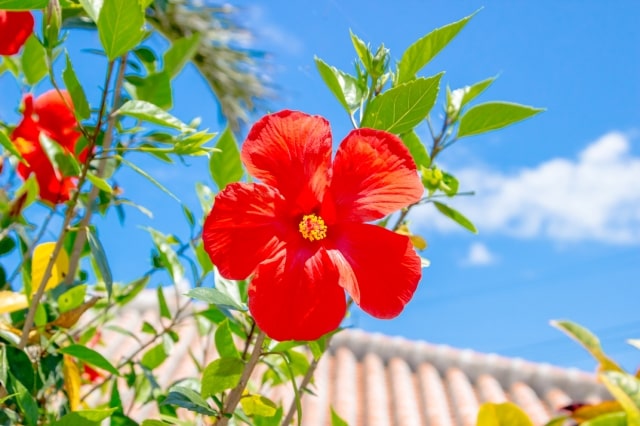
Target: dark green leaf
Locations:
point(84, 418)
point(225, 166)
point(25, 400)
point(9, 146)
point(422, 51)
point(214, 297)
point(456, 216)
point(62, 160)
point(220, 375)
point(179, 53)
point(7, 244)
point(23, 4)
point(416, 148)
point(97, 250)
point(120, 26)
point(400, 109)
point(146, 111)
point(80, 104)
point(224, 341)
point(89, 356)
point(344, 87)
point(336, 420)
point(72, 298)
point(34, 62)
point(492, 116)
point(162, 304)
point(189, 399)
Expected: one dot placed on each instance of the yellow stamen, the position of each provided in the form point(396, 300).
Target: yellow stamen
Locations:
point(312, 227)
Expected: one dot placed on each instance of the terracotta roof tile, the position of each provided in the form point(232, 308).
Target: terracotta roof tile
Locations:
point(375, 380)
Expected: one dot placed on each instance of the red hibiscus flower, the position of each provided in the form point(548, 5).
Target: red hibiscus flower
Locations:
point(302, 232)
point(15, 29)
point(48, 114)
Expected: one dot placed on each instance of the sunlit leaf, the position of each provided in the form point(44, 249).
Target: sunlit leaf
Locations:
point(626, 390)
point(588, 340)
point(179, 53)
point(154, 88)
point(225, 166)
point(100, 183)
point(168, 257)
point(72, 298)
point(80, 104)
point(258, 405)
point(42, 254)
point(457, 99)
point(589, 412)
point(162, 303)
point(493, 116)
point(92, 7)
point(344, 87)
point(84, 418)
point(147, 111)
point(9, 146)
point(34, 63)
point(155, 356)
point(224, 341)
point(23, 4)
point(63, 161)
point(120, 26)
point(426, 48)
point(336, 420)
point(214, 297)
point(220, 375)
point(363, 52)
point(71, 376)
point(416, 148)
point(612, 419)
point(400, 109)
point(11, 301)
point(504, 414)
point(69, 318)
point(456, 216)
point(90, 357)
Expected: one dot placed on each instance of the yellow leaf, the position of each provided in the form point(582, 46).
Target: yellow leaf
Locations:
point(41, 256)
point(589, 412)
point(505, 414)
point(417, 241)
point(71, 374)
point(11, 301)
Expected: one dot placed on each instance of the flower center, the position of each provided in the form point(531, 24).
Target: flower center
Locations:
point(312, 227)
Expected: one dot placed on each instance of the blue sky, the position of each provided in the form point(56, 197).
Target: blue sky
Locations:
point(558, 196)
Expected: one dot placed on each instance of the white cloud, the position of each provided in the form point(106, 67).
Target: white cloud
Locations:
point(479, 255)
point(594, 197)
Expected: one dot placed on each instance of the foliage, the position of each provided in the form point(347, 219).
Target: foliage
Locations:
point(57, 296)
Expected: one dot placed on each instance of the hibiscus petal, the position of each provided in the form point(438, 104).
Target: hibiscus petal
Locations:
point(55, 117)
point(291, 151)
point(296, 296)
point(245, 227)
point(379, 268)
point(15, 27)
point(373, 176)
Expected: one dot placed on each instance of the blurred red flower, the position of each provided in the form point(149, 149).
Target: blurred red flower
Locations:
point(302, 231)
point(15, 29)
point(48, 114)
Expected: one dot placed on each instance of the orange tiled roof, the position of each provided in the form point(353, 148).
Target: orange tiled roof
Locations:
point(377, 380)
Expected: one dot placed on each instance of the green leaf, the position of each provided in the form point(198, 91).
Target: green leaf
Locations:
point(258, 405)
point(162, 304)
point(220, 375)
point(92, 7)
point(34, 62)
point(492, 116)
point(80, 104)
point(456, 216)
point(155, 88)
point(416, 148)
point(425, 49)
point(504, 414)
point(100, 183)
point(72, 298)
point(336, 420)
point(97, 250)
point(151, 422)
point(626, 390)
point(120, 26)
point(363, 52)
point(149, 178)
point(155, 356)
point(9, 146)
point(224, 341)
point(225, 166)
point(146, 111)
point(189, 399)
point(449, 184)
point(7, 244)
point(215, 297)
point(588, 340)
point(457, 99)
point(179, 53)
point(25, 400)
point(400, 109)
point(90, 357)
point(344, 87)
point(84, 417)
point(62, 160)
point(611, 419)
point(168, 257)
point(23, 4)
